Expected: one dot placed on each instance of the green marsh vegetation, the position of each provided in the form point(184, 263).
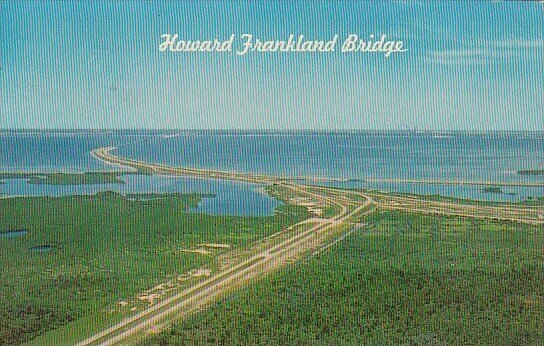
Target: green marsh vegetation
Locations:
point(105, 248)
point(331, 211)
point(405, 278)
point(69, 178)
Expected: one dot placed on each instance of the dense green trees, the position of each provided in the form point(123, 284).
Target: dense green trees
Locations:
point(406, 278)
point(106, 247)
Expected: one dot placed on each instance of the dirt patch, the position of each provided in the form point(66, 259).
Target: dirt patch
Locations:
point(533, 300)
point(150, 298)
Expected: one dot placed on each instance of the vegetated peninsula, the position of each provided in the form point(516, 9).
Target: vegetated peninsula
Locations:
point(86, 178)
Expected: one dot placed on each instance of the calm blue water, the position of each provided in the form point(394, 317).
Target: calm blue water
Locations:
point(57, 152)
point(357, 155)
point(351, 155)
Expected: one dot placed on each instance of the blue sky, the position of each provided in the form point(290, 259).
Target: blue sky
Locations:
point(469, 66)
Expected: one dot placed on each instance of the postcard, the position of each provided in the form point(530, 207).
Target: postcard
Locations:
point(268, 172)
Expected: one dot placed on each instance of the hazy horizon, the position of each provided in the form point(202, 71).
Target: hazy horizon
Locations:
point(72, 130)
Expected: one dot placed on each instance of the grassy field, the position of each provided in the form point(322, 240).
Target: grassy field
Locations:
point(403, 279)
point(83, 254)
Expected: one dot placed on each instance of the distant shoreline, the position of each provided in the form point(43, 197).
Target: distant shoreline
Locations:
point(269, 131)
point(113, 177)
point(454, 182)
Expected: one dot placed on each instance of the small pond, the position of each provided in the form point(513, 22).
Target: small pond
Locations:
point(13, 233)
point(42, 248)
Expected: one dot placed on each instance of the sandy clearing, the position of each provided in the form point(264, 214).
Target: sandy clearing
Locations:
point(197, 251)
point(315, 211)
point(150, 298)
point(215, 245)
point(200, 273)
